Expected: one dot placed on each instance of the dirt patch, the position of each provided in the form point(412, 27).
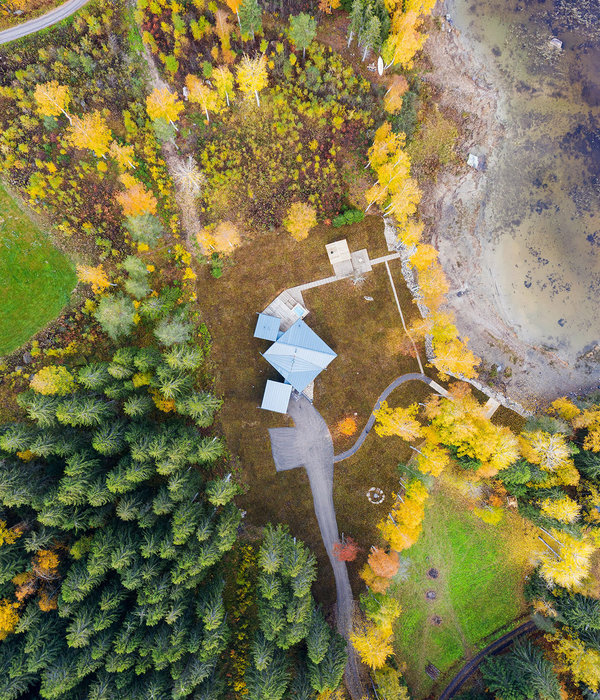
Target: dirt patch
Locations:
point(431, 595)
point(433, 573)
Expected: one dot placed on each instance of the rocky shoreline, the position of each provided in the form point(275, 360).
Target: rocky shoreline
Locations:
point(453, 210)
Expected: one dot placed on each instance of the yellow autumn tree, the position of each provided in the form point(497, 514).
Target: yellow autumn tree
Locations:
point(90, 131)
point(454, 357)
point(553, 455)
point(564, 408)
point(124, 155)
point(9, 617)
point(397, 421)
point(53, 380)
point(404, 39)
point(385, 613)
point(52, 99)
point(96, 276)
point(564, 509)
point(460, 422)
point(402, 527)
point(8, 535)
point(590, 419)
point(582, 662)
point(252, 76)
point(432, 458)
point(397, 87)
point(326, 6)
point(410, 234)
point(425, 256)
point(226, 237)
point(373, 644)
point(202, 94)
point(161, 103)
point(404, 201)
point(300, 220)
point(566, 561)
point(224, 83)
point(137, 200)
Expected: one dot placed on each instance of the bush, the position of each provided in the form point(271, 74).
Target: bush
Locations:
point(351, 216)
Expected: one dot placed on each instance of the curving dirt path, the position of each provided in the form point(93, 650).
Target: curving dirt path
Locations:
point(498, 645)
point(48, 20)
point(382, 397)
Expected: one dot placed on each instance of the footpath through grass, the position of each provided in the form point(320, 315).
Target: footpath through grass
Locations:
point(36, 279)
point(478, 589)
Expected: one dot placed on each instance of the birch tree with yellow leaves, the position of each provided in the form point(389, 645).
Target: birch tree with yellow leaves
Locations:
point(202, 94)
point(224, 83)
point(252, 75)
point(397, 421)
point(90, 131)
point(373, 644)
point(402, 527)
point(52, 99)
point(161, 103)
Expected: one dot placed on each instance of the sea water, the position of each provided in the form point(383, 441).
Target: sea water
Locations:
point(540, 226)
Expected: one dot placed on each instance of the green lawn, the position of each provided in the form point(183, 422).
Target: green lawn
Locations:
point(35, 278)
point(478, 590)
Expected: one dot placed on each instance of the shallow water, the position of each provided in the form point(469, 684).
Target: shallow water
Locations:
point(541, 219)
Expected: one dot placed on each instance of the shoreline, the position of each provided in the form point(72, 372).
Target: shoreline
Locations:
point(453, 210)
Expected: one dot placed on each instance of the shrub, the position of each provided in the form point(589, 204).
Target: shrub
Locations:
point(351, 216)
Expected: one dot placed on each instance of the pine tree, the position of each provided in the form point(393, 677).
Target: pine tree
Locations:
point(144, 228)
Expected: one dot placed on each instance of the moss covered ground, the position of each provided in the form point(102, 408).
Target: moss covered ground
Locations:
point(36, 279)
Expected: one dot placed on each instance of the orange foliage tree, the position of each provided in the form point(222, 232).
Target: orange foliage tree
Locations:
point(137, 200)
point(346, 550)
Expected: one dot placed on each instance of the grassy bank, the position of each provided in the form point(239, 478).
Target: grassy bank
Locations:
point(478, 588)
point(36, 279)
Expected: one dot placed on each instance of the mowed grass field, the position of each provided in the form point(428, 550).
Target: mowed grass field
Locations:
point(36, 279)
point(478, 589)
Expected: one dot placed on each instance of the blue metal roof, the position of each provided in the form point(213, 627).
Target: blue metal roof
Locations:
point(299, 355)
point(276, 397)
point(303, 336)
point(267, 327)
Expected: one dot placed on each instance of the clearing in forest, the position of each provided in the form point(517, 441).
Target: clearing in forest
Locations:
point(36, 279)
point(474, 591)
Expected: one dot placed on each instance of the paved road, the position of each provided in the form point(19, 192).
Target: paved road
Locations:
point(309, 444)
point(499, 645)
point(382, 397)
point(35, 25)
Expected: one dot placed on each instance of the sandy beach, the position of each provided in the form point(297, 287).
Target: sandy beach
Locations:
point(510, 324)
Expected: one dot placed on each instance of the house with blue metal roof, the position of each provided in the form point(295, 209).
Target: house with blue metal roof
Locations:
point(299, 355)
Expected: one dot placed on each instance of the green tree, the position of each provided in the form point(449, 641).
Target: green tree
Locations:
point(302, 31)
point(115, 313)
point(250, 18)
point(173, 330)
point(145, 228)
